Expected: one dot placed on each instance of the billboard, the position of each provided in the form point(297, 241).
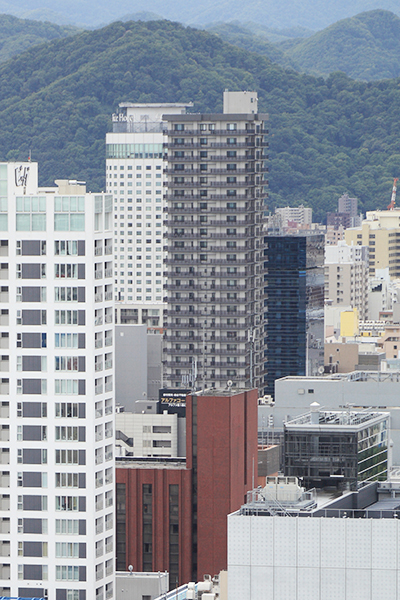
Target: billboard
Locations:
point(172, 400)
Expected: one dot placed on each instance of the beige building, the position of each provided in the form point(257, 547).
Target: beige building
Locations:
point(346, 277)
point(391, 341)
point(380, 231)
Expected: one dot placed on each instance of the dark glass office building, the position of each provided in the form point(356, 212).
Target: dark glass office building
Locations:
point(338, 448)
point(293, 298)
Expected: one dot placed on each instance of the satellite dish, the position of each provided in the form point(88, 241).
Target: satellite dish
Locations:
point(321, 370)
point(229, 384)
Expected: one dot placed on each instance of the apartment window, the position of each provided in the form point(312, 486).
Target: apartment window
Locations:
point(31, 213)
point(67, 527)
point(66, 340)
point(67, 503)
point(66, 317)
point(66, 363)
point(67, 480)
point(66, 248)
point(66, 294)
point(66, 386)
point(67, 550)
point(66, 433)
point(67, 573)
point(67, 457)
point(66, 409)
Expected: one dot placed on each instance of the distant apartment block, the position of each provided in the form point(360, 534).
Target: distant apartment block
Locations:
point(346, 277)
point(294, 214)
point(380, 231)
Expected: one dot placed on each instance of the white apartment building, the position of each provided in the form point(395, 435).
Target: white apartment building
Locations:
point(346, 276)
point(299, 214)
point(135, 178)
point(57, 435)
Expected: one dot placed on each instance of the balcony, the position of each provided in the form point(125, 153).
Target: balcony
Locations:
point(202, 173)
point(98, 274)
point(209, 184)
point(172, 210)
point(209, 158)
point(208, 133)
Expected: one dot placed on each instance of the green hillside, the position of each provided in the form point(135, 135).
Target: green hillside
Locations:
point(326, 136)
point(311, 14)
point(365, 47)
point(243, 37)
point(17, 35)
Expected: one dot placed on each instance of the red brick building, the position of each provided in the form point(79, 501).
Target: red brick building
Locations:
point(173, 516)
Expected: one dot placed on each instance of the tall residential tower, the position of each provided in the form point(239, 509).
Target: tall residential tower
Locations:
point(216, 182)
point(57, 400)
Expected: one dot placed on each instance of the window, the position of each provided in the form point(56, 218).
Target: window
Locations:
point(66, 433)
point(66, 340)
point(67, 503)
point(66, 248)
point(67, 480)
point(67, 526)
point(67, 573)
point(66, 294)
point(67, 457)
point(66, 409)
point(66, 271)
point(66, 317)
point(69, 213)
point(66, 363)
point(31, 213)
point(67, 550)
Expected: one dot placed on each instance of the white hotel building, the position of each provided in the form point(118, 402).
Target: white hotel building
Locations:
point(56, 405)
point(135, 164)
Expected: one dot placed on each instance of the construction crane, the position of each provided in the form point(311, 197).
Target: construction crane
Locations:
point(393, 198)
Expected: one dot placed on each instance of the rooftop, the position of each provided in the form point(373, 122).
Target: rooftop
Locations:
point(151, 462)
point(349, 419)
point(353, 376)
point(283, 497)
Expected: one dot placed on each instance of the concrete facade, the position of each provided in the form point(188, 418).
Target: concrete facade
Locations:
point(345, 549)
point(346, 277)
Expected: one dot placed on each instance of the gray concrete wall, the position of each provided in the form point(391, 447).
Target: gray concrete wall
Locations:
point(130, 365)
point(154, 364)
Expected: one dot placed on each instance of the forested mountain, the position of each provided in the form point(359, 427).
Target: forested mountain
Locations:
point(17, 35)
point(254, 42)
point(312, 14)
point(366, 47)
point(326, 136)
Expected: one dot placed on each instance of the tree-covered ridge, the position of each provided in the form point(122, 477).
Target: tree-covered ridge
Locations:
point(243, 37)
point(312, 14)
point(365, 47)
point(326, 136)
point(17, 35)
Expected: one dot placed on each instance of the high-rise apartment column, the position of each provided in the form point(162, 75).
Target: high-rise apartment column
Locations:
point(216, 187)
point(135, 177)
point(56, 391)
